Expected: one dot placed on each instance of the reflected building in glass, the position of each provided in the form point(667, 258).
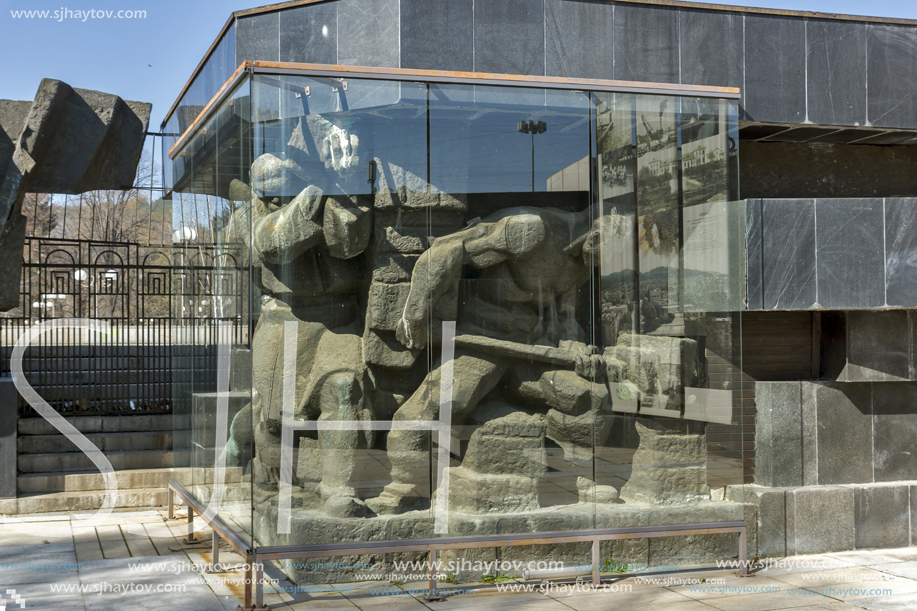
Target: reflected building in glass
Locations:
point(483, 296)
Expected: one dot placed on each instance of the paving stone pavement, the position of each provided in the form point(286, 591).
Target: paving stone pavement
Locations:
point(136, 561)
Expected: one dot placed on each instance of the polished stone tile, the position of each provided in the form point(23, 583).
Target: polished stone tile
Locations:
point(437, 34)
point(788, 253)
point(819, 519)
point(754, 272)
point(308, 34)
point(368, 33)
point(509, 37)
point(836, 72)
point(901, 251)
point(895, 409)
point(646, 44)
point(878, 347)
point(579, 38)
point(258, 38)
point(892, 69)
point(851, 253)
point(775, 69)
point(712, 48)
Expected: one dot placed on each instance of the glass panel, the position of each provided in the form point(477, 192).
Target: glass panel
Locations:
point(672, 291)
point(476, 310)
point(339, 208)
point(516, 278)
point(211, 331)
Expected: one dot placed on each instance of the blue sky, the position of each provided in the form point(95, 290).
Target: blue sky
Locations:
point(150, 59)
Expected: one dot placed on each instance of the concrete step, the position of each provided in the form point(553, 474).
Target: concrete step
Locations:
point(99, 424)
point(79, 481)
point(107, 442)
point(77, 461)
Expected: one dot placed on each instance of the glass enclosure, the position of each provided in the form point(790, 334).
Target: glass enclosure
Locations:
point(452, 309)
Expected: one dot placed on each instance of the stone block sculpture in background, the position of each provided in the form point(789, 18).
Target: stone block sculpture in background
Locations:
point(65, 141)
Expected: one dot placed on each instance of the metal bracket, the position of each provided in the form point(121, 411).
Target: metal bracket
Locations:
point(337, 89)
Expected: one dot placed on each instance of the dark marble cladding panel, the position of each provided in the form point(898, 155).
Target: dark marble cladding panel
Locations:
point(754, 275)
point(646, 44)
point(895, 409)
point(579, 38)
point(775, 69)
point(901, 251)
point(878, 345)
point(788, 253)
point(368, 33)
point(257, 38)
point(836, 72)
point(308, 34)
point(892, 68)
point(851, 257)
point(712, 48)
point(509, 36)
point(437, 34)
point(844, 442)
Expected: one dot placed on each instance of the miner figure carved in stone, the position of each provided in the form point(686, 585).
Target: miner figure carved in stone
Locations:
point(306, 260)
point(516, 275)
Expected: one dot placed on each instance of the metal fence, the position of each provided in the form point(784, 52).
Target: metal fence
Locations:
point(157, 301)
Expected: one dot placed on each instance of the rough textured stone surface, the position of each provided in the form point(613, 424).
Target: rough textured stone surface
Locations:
point(383, 350)
point(882, 516)
point(12, 237)
point(315, 527)
point(778, 432)
point(669, 467)
point(770, 517)
point(659, 367)
point(895, 421)
point(823, 170)
point(70, 141)
point(819, 519)
point(503, 464)
point(386, 305)
point(845, 437)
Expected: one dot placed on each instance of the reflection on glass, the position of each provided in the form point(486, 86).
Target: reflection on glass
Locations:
point(478, 310)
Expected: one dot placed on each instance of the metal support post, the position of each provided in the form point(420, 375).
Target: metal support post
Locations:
point(596, 559)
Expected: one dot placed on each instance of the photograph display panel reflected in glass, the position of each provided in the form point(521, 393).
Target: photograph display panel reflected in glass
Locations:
point(474, 311)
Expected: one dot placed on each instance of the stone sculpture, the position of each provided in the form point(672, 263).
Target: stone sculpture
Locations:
point(65, 141)
point(305, 251)
point(530, 265)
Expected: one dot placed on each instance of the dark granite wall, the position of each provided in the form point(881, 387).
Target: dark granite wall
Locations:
point(791, 69)
point(831, 253)
point(790, 169)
